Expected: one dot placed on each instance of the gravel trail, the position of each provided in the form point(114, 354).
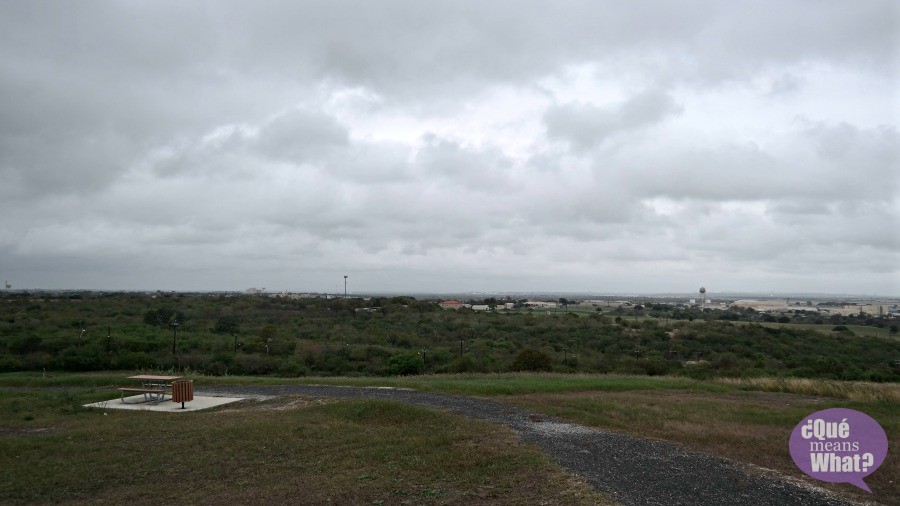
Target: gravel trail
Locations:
point(632, 470)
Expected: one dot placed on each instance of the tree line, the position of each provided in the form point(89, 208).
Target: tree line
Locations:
point(250, 334)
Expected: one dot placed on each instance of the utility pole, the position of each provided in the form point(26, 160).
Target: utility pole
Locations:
point(345, 286)
point(108, 338)
point(174, 334)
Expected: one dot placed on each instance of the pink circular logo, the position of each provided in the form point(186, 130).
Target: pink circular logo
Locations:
point(839, 445)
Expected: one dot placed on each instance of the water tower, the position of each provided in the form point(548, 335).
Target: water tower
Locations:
point(702, 296)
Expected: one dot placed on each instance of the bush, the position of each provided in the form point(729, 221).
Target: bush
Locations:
point(463, 364)
point(293, 368)
point(531, 360)
point(163, 317)
point(405, 364)
point(132, 360)
point(9, 364)
point(81, 358)
point(255, 364)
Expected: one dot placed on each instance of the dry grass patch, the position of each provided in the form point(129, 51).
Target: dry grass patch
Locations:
point(860, 391)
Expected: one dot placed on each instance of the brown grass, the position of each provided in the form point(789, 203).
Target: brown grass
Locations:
point(850, 390)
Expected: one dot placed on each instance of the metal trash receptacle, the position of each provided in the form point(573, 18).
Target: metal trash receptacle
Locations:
point(182, 391)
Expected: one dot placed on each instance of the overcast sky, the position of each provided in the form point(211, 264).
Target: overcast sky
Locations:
point(595, 146)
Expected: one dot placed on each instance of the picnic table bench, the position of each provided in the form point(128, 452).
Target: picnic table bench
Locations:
point(154, 388)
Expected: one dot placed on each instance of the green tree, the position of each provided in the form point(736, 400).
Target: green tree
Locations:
point(531, 360)
point(163, 317)
point(227, 325)
point(266, 334)
point(405, 364)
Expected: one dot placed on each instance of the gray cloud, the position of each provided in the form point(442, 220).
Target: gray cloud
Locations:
point(582, 145)
point(585, 126)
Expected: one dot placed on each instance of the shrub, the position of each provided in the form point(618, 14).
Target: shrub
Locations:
point(405, 364)
point(132, 360)
point(293, 368)
point(531, 360)
point(463, 364)
point(255, 364)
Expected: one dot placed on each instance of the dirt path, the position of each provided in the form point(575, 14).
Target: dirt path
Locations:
point(634, 471)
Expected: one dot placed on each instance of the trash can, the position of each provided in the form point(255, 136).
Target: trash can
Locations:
point(182, 391)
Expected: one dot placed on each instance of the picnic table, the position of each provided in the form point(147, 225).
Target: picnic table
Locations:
point(155, 388)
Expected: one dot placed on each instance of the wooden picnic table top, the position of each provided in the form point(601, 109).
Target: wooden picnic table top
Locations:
point(150, 377)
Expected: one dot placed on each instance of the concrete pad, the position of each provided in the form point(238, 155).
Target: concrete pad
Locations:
point(136, 403)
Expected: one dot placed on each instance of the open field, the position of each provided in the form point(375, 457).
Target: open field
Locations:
point(826, 328)
point(286, 450)
point(744, 420)
point(503, 384)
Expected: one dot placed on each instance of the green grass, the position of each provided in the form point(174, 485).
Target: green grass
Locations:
point(280, 451)
point(825, 328)
point(499, 384)
point(460, 384)
point(747, 420)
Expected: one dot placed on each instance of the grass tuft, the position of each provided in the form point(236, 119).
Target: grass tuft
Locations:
point(850, 390)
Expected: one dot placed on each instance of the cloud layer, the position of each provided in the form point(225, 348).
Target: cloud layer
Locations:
point(444, 146)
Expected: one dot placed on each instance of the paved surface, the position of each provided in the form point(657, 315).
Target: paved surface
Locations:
point(634, 471)
point(136, 403)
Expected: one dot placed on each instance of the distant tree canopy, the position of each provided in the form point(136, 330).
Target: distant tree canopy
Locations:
point(227, 325)
point(380, 336)
point(531, 360)
point(163, 317)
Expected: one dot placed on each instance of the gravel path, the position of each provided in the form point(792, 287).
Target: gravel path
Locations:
point(634, 471)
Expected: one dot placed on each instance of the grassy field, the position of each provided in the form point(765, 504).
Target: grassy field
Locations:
point(747, 420)
point(500, 384)
point(289, 450)
point(826, 328)
point(749, 427)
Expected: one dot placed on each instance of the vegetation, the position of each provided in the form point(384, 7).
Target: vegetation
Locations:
point(531, 360)
point(729, 383)
point(387, 336)
point(747, 426)
point(393, 453)
point(288, 450)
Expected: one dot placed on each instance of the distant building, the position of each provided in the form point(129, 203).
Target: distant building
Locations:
point(451, 304)
point(481, 307)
